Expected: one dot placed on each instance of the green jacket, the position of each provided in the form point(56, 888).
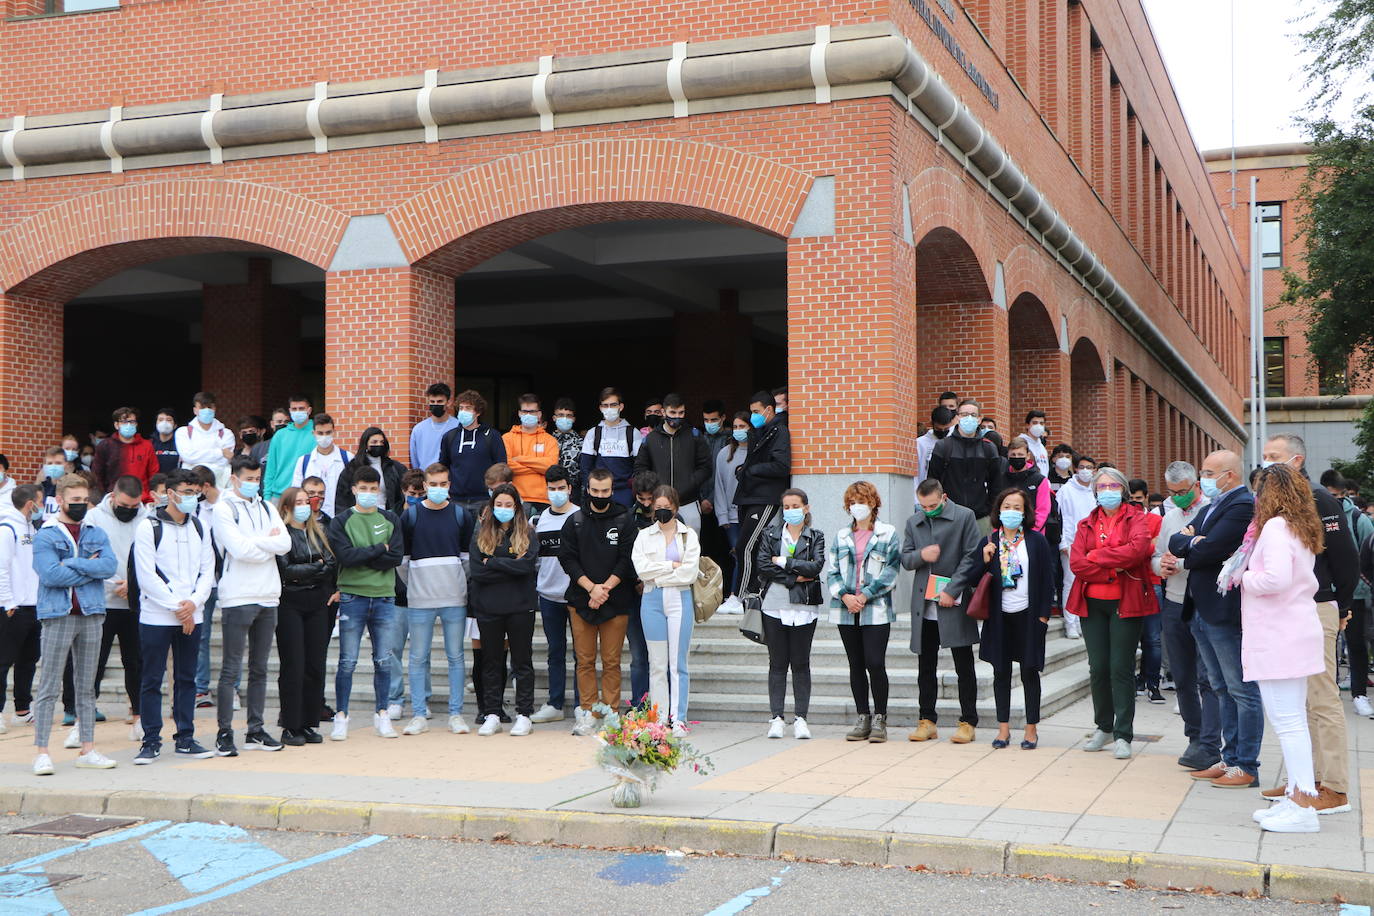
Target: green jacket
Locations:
point(369, 546)
point(284, 449)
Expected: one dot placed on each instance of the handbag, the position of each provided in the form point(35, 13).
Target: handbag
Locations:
point(978, 605)
point(751, 625)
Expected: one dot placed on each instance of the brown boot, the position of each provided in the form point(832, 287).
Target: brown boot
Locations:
point(878, 733)
point(1329, 801)
point(963, 735)
point(925, 731)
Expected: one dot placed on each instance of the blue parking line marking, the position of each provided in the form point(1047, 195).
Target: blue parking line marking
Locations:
point(28, 894)
point(642, 868)
point(244, 884)
point(118, 836)
point(747, 899)
point(204, 856)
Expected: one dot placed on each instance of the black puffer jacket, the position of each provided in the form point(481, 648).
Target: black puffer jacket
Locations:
point(767, 470)
point(807, 562)
point(501, 583)
point(305, 565)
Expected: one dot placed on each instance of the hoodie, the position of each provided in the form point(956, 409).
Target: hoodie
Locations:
point(115, 458)
point(530, 453)
point(242, 534)
point(18, 581)
point(467, 453)
point(121, 535)
point(613, 448)
point(969, 468)
point(598, 545)
point(284, 451)
point(197, 446)
point(179, 567)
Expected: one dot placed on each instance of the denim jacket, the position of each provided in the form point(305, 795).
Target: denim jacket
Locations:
point(63, 564)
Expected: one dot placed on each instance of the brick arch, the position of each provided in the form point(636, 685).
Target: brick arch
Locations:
point(1038, 366)
point(1093, 414)
point(68, 247)
point(939, 200)
point(465, 219)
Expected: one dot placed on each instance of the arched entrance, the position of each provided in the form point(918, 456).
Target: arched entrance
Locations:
point(1038, 369)
point(1092, 410)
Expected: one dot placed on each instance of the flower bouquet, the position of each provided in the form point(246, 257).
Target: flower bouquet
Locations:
point(637, 748)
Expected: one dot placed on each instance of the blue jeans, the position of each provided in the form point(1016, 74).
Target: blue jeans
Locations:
point(1240, 711)
point(1151, 653)
point(554, 616)
point(639, 659)
point(203, 660)
point(421, 627)
point(400, 629)
point(153, 643)
point(1197, 704)
point(732, 538)
point(377, 616)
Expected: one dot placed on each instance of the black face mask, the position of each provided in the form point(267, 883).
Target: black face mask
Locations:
point(76, 512)
point(250, 438)
point(125, 513)
point(673, 422)
point(663, 516)
point(1018, 464)
point(939, 433)
point(436, 410)
point(376, 451)
point(599, 503)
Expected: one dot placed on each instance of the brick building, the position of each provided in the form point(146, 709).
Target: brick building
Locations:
point(1314, 402)
point(873, 201)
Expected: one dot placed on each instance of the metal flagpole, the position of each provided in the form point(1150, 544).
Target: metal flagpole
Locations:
point(1256, 331)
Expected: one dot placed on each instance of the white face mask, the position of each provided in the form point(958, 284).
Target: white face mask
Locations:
point(324, 441)
point(1085, 475)
point(1038, 431)
point(610, 414)
point(1063, 464)
point(860, 511)
point(164, 427)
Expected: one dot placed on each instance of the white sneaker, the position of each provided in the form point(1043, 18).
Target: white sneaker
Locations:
point(136, 731)
point(680, 730)
point(3, 727)
point(418, 725)
point(73, 738)
point(95, 761)
point(381, 724)
point(458, 725)
point(1292, 818)
point(586, 723)
point(237, 704)
point(776, 727)
point(25, 719)
point(42, 765)
point(1176, 712)
point(1260, 816)
point(394, 711)
point(1122, 749)
point(1073, 627)
point(340, 730)
point(1363, 707)
point(334, 634)
point(731, 605)
point(490, 726)
point(799, 729)
point(520, 727)
point(547, 713)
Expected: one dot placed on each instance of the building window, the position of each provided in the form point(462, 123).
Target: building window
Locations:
point(79, 6)
point(1274, 376)
point(1331, 379)
point(1271, 235)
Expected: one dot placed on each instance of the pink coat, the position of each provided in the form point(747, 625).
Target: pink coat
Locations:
point(1281, 634)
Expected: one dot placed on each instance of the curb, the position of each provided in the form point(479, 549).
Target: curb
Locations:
point(745, 838)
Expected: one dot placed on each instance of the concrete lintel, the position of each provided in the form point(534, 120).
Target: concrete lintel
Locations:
point(817, 216)
point(368, 242)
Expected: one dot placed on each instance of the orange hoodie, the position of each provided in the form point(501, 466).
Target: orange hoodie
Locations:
point(529, 455)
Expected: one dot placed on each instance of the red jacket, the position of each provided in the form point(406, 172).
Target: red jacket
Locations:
point(1128, 549)
point(114, 458)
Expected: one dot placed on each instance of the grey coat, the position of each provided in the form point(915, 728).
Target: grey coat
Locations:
point(956, 531)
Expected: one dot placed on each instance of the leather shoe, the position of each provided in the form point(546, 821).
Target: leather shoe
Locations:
point(1235, 778)
point(925, 731)
point(1214, 771)
point(1329, 801)
point(963, 734)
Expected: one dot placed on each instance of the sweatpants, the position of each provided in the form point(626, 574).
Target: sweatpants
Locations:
point(518, 629)
point(927, 676)
point(19, 652)
point(866, 649)
point(1111, 641)
point(249, 626)
point(753, 524)
point(80, 635)
point(1285, 705)
point(668, 620)
point(789, 648)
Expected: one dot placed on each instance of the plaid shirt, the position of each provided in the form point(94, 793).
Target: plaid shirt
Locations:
point(882, 562)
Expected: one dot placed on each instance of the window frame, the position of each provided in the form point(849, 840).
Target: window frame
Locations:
point(1275, 218)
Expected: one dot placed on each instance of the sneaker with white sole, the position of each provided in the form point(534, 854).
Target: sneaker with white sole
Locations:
point(800, 730)
point(585, 722)
point(73, 738)
point(1073, 627)
point(136, 732)
point(547, 713)
point(731, 605)
point(1122, 749)
point(25, 719)
point(417, 725)
point(680, 730)
point(147, 754)
point(1260, 816)
point(394, 711)
point(42, 765)
point(458, 725)
point(95, 761)
point(490, 726)
point(340, 730)
point(520, 727)
point(260, 741)
point(3, 727)
point(1290, 817)
point(1363, 707)
point(776, 727)
point(381, 724)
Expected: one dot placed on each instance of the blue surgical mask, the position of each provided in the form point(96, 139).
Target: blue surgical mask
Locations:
point(248, 489)
point(564, 424)
point(794, 516)
point(414, 500)
point(53, 470)
point(301, 513)
point(465, 418)
point(558, 498)
point(1109, 499)
point(1011, 519)
point(741, 435)
point(712, 428)
point(187, 504)
point(528, 420)
point(968, 425)
point(128, 430)
point(299, 416)
point(1209, 487)
point(437, 495)
point(503, 514)
point(206, 415)
point(71, 453)
point(757, 420)
point(367, 500)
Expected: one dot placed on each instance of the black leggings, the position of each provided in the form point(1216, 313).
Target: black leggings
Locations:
point(1357, 650)
point(927, 678)
point(788, 647)
point(866, 649)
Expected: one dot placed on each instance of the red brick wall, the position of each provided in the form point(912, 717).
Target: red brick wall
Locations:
point(30, 381)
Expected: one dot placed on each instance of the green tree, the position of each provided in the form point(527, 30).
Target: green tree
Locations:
point(1361, 468)
point(1340, 47)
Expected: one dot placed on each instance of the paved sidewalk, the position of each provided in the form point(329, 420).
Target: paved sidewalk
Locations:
point(1053, 795)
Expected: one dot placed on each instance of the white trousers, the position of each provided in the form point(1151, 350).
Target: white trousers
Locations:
point(1285, 704)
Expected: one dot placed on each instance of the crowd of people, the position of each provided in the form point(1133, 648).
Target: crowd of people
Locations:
point(1232, 588)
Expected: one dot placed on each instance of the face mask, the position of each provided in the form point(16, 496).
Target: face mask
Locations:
point(503, 514)
point(860, 511)
point(324, 441)
point(376, 451)
point(1018, 464)
point(301, 513)
point(558, 498)
point(465, 418)
point(164, 427)
point(437, 495)
point(712, 427)
point(757, 420)
point(187, 504)
point(1085, 474)
point(663, 516)
point(1182, 500)
point(86, 460)
point(673, 422)
point(1270, 464)
point(651, 418)
point(529, 420)
point(206, 415)
point(53, 470)
point(368, 500)
point(250, 438)
point(2, 476)
point(1038, 430)
point(414, 500)
point(436, 410)
point(564, 424)
point(934, 513)
point(160, 501)
point(741, 435)
point(1109, 499)
point(610, 414)
point(794, 516)
point(1209, 487)
point(298, 416)
point(1011, 519)
point(71, 453)
point(939, 433)
point(1063, 464)
point(76, 511)
point(599, 503)
point(127, 430)
point(968, 425)
point(125, 513)
point(249, 489)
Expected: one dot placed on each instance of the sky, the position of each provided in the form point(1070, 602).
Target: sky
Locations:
point(1268, 66)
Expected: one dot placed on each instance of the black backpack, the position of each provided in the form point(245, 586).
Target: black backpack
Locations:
point(134, 592)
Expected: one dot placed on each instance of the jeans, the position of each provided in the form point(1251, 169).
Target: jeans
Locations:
point(1151, 650)
point(250, 627)
point(668, 619)
point(639, 659)
point(554, 616)
point(518, 630)
point(154, 642)
point(1238, 701)
point(1285, 703)
point(1197, 704)
point(377, 616)
point(1111, 642)
point(400, 632)
point(732, 538)
point(19, 651)
point(203, 659)
point(454, 621)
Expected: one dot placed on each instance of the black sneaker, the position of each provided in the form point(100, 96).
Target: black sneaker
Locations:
point(147, 754)
point(292, 738)
point(327, 713)
point(260, 741)
point(503, 716)
point(224, 743)
point(311, 736)
point(193, 748)
point(1155, 696)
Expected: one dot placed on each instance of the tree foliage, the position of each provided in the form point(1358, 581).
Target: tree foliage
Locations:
point(1341, 45)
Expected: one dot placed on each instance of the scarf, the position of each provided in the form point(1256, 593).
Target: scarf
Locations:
point(1011, 563)
point(1234, 568)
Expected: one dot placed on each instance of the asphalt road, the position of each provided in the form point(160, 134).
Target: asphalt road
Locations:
point(212, 869)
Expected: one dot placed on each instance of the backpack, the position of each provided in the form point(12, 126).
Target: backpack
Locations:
point(707, 590)
point(629, 443)
point(134, 592)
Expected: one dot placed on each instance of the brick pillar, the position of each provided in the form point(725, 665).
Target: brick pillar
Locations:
point(250, 334)
point(1040, 381)
point(30, 381)
point(389, 334)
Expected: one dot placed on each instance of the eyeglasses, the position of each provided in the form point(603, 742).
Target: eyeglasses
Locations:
point(1109, 486)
